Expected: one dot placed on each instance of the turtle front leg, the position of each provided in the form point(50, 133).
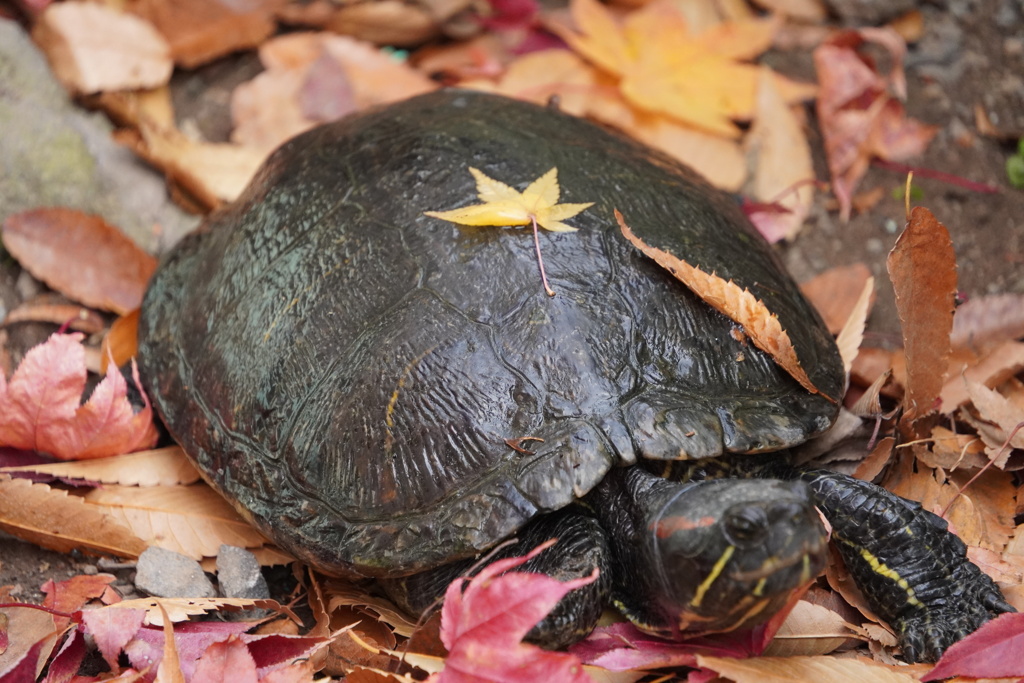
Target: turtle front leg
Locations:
point(582, 545)
point(914, 573)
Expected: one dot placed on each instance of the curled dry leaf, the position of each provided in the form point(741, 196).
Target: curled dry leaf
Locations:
point(922, 267)
point(992, 369)
point(81, 256)
point(809, 630)
point(760, 324)
point(53, 519)
point(92, 47)
point(42, 406)
point(852, 334)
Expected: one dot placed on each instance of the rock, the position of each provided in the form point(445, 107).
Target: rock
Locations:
point(167, 574)
point(239, 575)
point(53, 153)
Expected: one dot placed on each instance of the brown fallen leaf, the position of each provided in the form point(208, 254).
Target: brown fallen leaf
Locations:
point(835, 292)
point(385, 22)
point(160, 467)
point(819, 669)
point(783, 162)
point(302, 68)
point(211, 173)
point(80, 255)
point(985, 321)
point(52, 308)
point(53, 519)
point(173, 610)
point(809, 630)
point(992, 369)
point(760, 324)
point(192, 520)
point(199, 31)
point(922, 267)
point(92, 47)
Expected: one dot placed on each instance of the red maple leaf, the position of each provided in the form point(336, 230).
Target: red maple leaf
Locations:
point(993, 651)
point(42, 409)
point(483, 626)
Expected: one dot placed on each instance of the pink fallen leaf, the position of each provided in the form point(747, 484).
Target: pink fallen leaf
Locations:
point(112, 629)
point(993, 651)
point(227, 660)
point(42, 409)
point(860, 110)
point(483, 626)
point(191, 640)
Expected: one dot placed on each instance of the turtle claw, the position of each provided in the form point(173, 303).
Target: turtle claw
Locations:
point(925, 636)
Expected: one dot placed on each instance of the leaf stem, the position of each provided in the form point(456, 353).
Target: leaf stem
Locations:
point(540, 261)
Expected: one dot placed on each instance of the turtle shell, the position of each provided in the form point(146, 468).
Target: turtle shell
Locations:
point(353, 374)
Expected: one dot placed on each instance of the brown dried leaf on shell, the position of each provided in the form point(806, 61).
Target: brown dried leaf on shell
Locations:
point(760, 324)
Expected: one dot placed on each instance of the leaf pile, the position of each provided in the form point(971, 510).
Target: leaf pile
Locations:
point(680, 76)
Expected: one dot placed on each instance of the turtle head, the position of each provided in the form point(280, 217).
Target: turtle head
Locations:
point(728, 554)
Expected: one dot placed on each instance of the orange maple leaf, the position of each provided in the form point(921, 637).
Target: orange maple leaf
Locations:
point(664, 68)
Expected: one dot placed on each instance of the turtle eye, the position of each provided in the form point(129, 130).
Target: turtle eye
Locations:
point(749, 523)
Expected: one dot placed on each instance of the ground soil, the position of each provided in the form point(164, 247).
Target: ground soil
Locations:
point(972, 55)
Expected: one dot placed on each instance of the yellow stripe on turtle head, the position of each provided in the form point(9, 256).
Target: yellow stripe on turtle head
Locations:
point(715, 572)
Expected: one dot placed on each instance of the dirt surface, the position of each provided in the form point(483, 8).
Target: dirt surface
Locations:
point(972, 55)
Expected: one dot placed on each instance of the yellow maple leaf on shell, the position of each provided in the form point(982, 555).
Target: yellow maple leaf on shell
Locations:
point(504, 205)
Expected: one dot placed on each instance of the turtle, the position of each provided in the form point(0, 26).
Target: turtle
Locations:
point(388, 394)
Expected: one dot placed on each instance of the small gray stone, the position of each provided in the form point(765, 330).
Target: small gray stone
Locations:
point(239, 575)
point(167, 574)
